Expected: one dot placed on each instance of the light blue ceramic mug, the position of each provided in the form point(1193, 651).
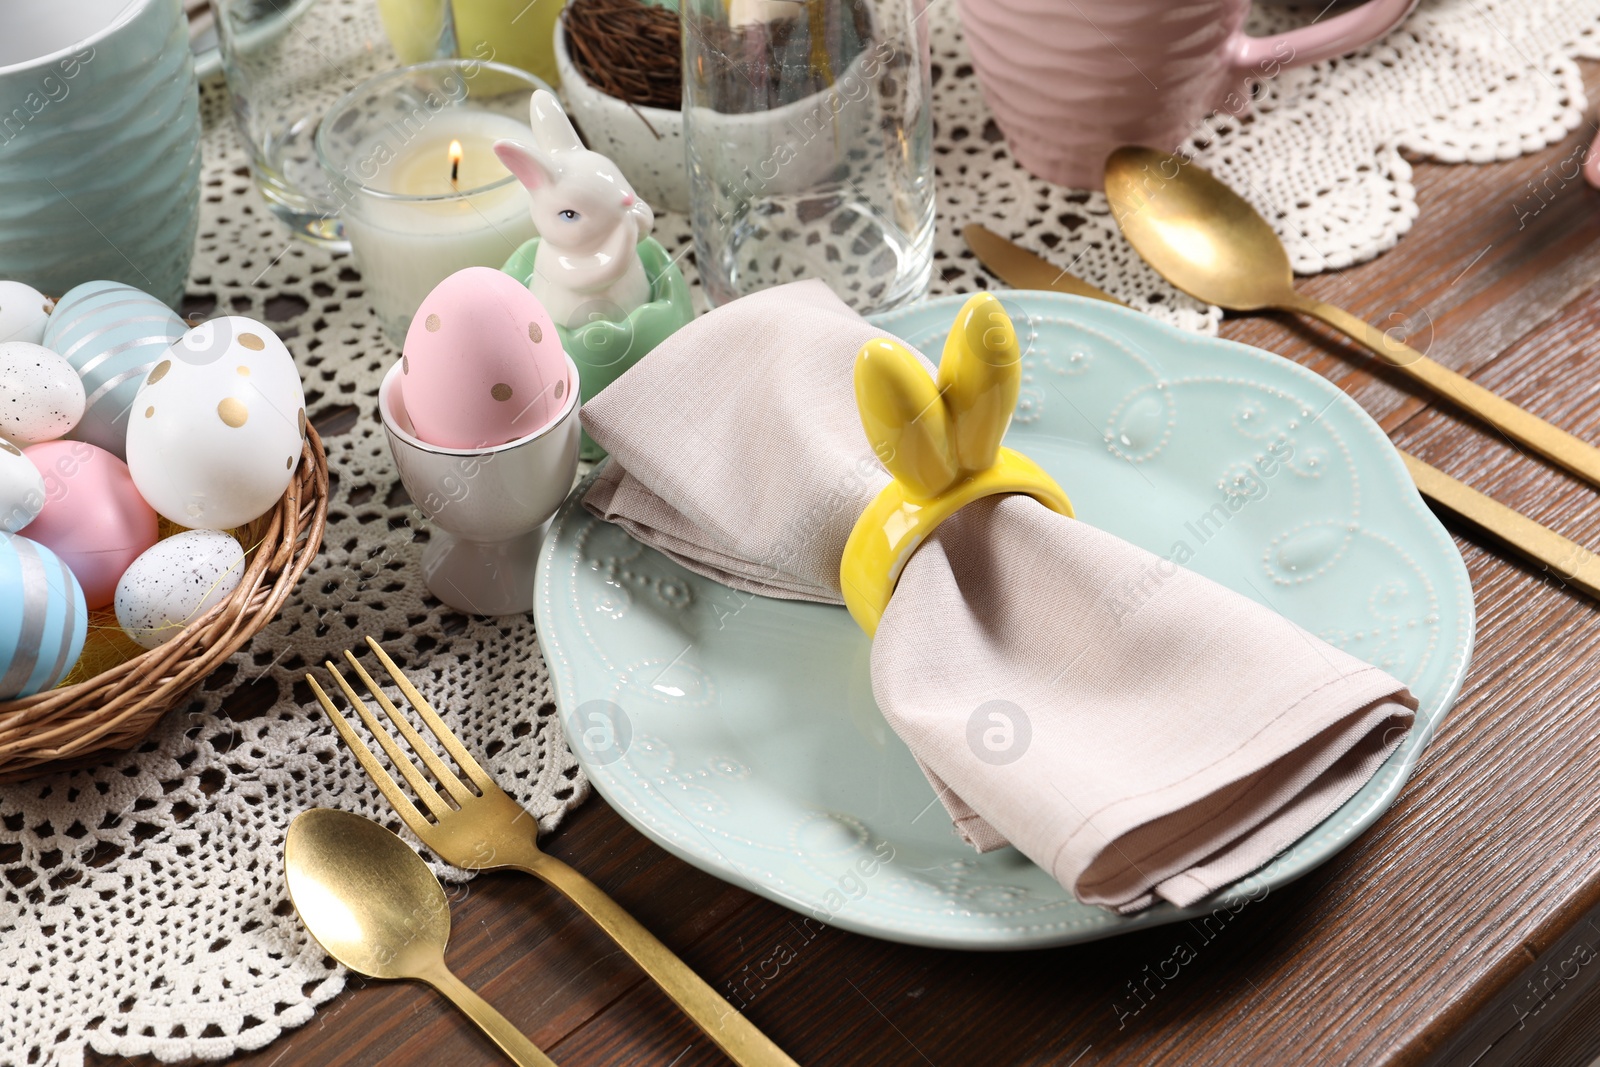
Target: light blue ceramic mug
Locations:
point(99, 144)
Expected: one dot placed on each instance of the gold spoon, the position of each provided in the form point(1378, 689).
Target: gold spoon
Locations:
point(371, 902)
point(1204, 238)
point(1568, 561)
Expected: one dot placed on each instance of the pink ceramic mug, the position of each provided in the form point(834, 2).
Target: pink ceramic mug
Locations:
point(1070, 80)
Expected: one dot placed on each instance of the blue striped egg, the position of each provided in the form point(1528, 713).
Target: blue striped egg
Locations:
point(112, 334)
point(43, 619)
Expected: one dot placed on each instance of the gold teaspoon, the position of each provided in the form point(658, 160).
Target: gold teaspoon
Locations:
point(1208, 241)
point(371, 902)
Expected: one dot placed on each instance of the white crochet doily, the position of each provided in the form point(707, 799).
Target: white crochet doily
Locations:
point(142, 907)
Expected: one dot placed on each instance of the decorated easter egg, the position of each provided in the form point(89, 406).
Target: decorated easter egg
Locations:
point(93, 516)
point(177, 580)
point(112, 334)
point(23, 313)
point(218, 425)
point(21, 488)
point(41, 397)
point(483, 364)
point(43, 618)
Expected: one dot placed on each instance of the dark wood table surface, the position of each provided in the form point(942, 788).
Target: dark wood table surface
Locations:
point(1463, 928)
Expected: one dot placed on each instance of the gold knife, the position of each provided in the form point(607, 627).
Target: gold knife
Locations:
point(1566, 561)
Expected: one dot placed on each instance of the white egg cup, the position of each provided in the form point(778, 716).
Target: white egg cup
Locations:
point(488, 506)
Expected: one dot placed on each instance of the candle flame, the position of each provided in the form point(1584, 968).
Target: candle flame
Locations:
point(455, 159)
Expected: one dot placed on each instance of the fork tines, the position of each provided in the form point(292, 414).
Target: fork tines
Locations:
point(459, 791)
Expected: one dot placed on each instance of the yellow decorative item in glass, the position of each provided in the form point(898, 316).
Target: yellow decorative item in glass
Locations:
point(940, 441)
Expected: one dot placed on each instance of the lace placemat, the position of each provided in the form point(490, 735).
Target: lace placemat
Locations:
point(143, 906)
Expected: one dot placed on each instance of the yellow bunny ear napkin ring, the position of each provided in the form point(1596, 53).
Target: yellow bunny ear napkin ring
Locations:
point(940, 441)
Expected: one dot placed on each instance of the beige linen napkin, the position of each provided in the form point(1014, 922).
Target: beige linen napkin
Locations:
point(1136, 748)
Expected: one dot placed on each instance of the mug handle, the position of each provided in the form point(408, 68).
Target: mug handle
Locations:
point(1262, 57)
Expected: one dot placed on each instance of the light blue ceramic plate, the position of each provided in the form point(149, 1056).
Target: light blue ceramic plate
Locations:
point(748, 742)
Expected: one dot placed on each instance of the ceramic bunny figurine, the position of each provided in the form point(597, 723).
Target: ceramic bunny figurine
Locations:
point(589, 220)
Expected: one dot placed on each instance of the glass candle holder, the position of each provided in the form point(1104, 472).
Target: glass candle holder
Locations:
point(286, 62)
point(408, 154)
point(810, 146)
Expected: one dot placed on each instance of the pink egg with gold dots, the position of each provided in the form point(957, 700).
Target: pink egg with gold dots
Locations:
point(93, 516)
point(483, 364)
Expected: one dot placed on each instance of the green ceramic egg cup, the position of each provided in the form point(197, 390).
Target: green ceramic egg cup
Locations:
point(603, 350)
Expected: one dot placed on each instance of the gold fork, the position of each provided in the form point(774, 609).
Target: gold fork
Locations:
point(486, 830)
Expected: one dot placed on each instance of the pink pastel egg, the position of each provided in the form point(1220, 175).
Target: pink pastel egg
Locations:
point(483, 364)
point(93, 517)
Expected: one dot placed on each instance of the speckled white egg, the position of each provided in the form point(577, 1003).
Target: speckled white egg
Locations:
point(24, 312)
point(176, 581)
point(217, 428)
point(41, 396)
point(21, 489)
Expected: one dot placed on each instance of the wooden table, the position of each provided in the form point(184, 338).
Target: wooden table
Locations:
point(1464, 928)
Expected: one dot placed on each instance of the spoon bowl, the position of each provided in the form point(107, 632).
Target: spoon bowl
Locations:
point(1196, 232)
point(374, 906)
point(1208, 241)
point(367, 898)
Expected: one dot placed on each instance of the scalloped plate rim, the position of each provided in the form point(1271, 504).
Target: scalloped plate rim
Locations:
point(1288, 866)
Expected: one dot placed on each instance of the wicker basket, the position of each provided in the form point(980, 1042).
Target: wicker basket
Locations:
point(74, 725)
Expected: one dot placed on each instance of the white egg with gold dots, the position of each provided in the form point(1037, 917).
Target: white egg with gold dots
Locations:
point(21, 489)
point(217, 427)
point(41, 396)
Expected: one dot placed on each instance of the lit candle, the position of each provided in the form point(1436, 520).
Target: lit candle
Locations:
point(424, 194)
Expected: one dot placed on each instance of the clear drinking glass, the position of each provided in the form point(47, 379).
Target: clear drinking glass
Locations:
point(287, 61)
point(810, 146)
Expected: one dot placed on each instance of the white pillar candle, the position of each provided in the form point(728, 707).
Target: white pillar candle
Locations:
point(412, 213)
point(415, 227)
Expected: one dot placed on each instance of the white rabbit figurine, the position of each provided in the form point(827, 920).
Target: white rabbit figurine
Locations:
point(590, 222)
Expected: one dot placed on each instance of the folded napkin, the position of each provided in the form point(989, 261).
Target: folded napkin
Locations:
point(1154, 746)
